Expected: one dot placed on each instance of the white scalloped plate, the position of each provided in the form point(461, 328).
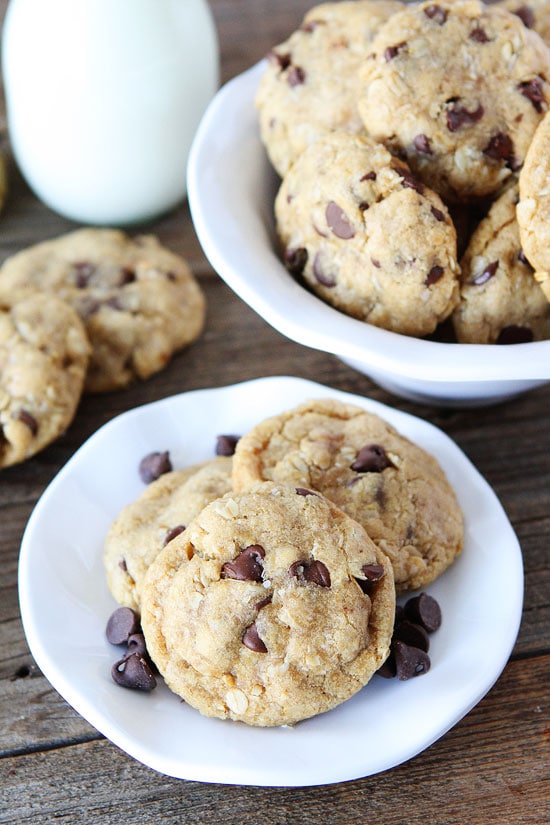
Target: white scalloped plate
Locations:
point(65, 604)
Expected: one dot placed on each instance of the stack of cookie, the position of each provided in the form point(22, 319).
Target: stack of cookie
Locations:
point(266, 581)
point(400, 133)
point(90, 311)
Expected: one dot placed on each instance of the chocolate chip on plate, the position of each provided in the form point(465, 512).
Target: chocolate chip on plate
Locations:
point(122, 624)
point(153, 465)
point(134, 672)
point(425, 611)
point(225, 444)
point(409, 661)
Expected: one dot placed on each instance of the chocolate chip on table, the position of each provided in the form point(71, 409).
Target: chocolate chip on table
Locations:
point(412, 634)
point(153, 465)
point(122, 624)
point(252, 641)
point(226, 444)
point(247, 566)
point(134, 672)
point(313, 572)
point(425, 611)
point(338, 221)
point(371, 459)
point(173, 532)
point(409, 661)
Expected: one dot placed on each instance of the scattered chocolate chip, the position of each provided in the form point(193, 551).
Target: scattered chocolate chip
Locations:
point(388, 670)
point(134, 672)
point(458, 116)
point(412, 634)
point(515, 335)
point(280, 60)
point(83, 272)
point(399, 614)
point(296, 76)
point(532, 90)
point(314, 572)
point(409, 661)
point(434, 275)
point(136, 644)
point(247, 566)
point(371, 459)
point(226, 444)
point(436, 13)
point(393, 51)
point(303, 491)
point(28, 420)
point(154, 465)
point(295, 260)
point(338, 221)
point(173, 532)
point(487, 273)
point(122, 624)
point(425, 611)
point(422, 144)
point(368, 176)
point(252, 641)
point(324, 278)
point(437, 213)
point(500, 147)
point(479, 35)
point(526, 15)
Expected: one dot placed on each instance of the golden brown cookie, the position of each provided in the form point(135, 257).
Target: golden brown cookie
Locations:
point(272, 606)
point(393, 488)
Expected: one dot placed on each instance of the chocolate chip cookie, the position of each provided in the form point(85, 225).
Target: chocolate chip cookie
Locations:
point(392, 487)
point(457, 89)
point(367, 236)
point(44, 354)
point(147, 524)
point(139, 302)
point(310, 84)
point(500, 300)
point(272, 606)
point(533, 209)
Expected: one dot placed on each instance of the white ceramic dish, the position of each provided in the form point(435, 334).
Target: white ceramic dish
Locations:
point(231, 189)
point(65, 604)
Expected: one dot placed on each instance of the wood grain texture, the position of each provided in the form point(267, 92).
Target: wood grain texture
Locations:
point(490, 769)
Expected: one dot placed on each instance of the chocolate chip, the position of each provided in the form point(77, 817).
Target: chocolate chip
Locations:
point(324, 278)
point(410, 182)
point(263, 603)
point(314, 572)
point(412, 634)
point(252, 641)
point(28, 420)
point(436, 13)
point(434, 275)
point(422, 144)
point(280, 60)
point(479, 35)
point(123, 566)
point(363, 206)
point(134, 672)
point(515, 335)
point(532, 90)
point(296, 76)
point(409, 661)
point(368, 176)
point(373, 573)
point(122, 623)
point(393, 51)
point(303, 491)
point(458, 116)
point(375, 263)
point(83, 272)
point(526, 15)
point(487, 273)
point(173, 532)
point(425, 611)
point(247, 566)
point(371, 459)
point(522, 258)
point(136, 644)
point(226, 444)
point(127, 276)
point(388, 670)
point(437, 213)
point(338, 221)
point(154, 465)
point(500, 147)
point(295, 260)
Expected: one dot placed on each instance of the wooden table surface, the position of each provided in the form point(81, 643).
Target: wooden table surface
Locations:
point(492, 767)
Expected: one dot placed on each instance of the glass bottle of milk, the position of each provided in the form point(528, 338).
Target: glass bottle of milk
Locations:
point(103, 98)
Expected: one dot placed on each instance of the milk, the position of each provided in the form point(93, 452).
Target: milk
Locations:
point(103, 99)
